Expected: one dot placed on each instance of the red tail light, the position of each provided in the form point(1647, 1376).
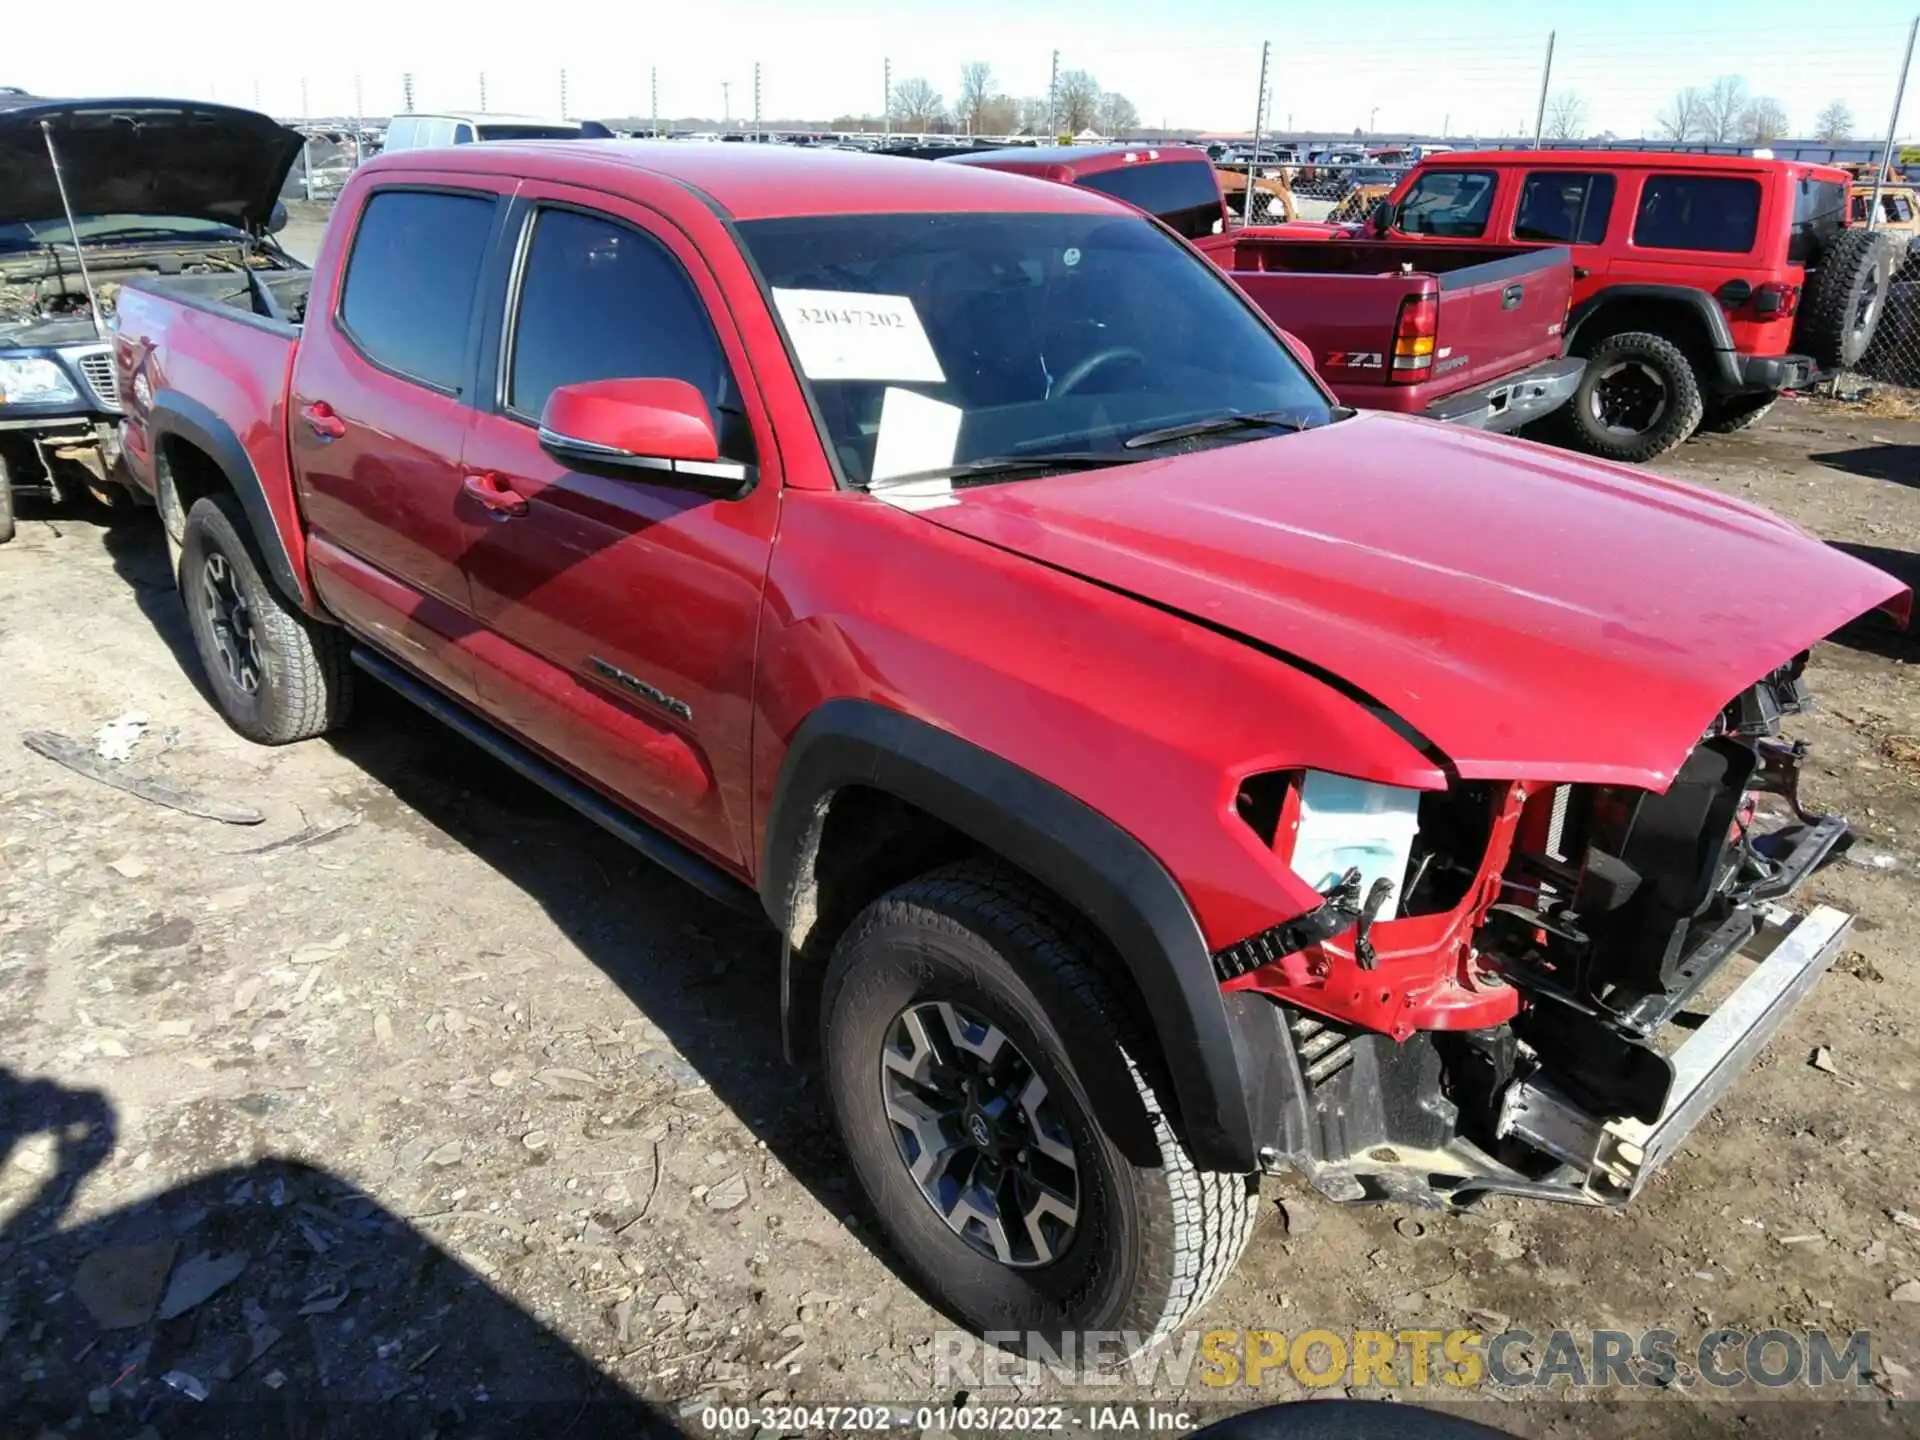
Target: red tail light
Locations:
point(1414, 334)
point(1776, 301)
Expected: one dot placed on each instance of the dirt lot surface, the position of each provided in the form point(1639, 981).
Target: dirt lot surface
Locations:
point(424, 1090)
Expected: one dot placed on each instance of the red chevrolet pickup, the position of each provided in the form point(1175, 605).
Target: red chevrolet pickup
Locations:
point(1470, 334)
point(1156, 773)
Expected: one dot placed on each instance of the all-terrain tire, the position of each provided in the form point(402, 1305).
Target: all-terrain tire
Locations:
point(6, 502)
point(1154, 1236)
point(1642, 357)
point(1737, 412)
point(302, 680)
point(1845, 299)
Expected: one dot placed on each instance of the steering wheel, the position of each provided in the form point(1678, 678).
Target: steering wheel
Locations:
point(1077, 376)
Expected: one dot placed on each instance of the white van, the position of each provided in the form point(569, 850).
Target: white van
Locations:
point(420, 132)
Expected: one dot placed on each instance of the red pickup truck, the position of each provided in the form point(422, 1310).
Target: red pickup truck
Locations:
point(1155, 772)
point(1469, 334)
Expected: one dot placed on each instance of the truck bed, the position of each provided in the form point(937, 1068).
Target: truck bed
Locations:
point(1501, 310)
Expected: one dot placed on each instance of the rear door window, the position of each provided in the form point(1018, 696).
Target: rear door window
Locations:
point(1819, 215)
point(1184, 195)
point(1564, 207)
point(1899, 209)
point(407, 304)
point(1453, 203)
point(1716, 213)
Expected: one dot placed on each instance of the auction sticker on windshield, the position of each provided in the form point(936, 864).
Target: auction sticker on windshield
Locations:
point(845, 335)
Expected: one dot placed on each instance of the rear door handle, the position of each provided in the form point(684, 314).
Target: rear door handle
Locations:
point(496, 495)
point(1511, 297)
point(322, 421)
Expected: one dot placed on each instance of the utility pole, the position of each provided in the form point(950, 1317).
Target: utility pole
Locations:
point(483, 92)
point(1446, 125)
point(653, 85)
point(305, 111)
point(563, 95)
point(256, 94)
point(1259, 124)
point(406, 91)
point(726, 102)
point(756, 99)
point(359, 122)
point(1893, 124)
point(1546, 77)
point(886, 98)
point(1053, 99)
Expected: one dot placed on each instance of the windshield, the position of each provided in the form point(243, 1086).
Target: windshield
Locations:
point(112, 230)
point(929, 341)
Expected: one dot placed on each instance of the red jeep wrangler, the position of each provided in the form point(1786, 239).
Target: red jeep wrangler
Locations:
point(1155, 772)
point(1704, 284)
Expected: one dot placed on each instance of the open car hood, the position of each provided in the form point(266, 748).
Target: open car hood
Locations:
point(144, 157)
point(1534, 615)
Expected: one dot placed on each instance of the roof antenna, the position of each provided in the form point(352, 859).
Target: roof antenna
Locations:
point(73, 233)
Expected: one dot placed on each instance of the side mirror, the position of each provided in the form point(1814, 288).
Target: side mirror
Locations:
point(657, 431)
point(1381, 219)
point(1300, 351)
point(277, 218)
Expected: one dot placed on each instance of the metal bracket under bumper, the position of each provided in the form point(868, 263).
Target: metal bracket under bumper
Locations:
point(1617, 1156)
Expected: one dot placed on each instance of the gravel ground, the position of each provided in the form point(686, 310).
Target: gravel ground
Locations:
point(424, 1090)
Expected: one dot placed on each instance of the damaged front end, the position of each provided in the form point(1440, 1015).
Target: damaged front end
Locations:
point(1509, 1019)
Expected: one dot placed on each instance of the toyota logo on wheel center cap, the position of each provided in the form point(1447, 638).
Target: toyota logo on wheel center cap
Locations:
point(979, 1131)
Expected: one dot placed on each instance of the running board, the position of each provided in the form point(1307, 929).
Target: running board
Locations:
point(660, 848)
point(1617, 1156)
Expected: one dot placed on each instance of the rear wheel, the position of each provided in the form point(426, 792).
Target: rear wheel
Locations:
point(1737, 412)
point(1638, 398)
point(973, 1134)
point(6, 502)
point(276, 675)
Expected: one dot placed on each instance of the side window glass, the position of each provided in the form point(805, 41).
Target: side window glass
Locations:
point(1453, 203)
point(1564, 207)
point(463, 134)
point(1715, 213)
point(599, 300)
point(411, 281)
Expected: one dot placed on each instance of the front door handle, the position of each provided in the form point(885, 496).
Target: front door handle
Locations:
point(494, 493)
point(322, 421)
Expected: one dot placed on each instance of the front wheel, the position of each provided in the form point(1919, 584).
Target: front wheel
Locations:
point(6, 502)
point(1737, 412)
point(276, 675)
point(1637, 398)
point(972, 1132)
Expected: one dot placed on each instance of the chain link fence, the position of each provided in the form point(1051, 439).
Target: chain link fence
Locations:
point(1893, 357)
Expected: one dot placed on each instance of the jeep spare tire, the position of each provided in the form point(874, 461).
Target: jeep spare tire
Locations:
point(1845, 299)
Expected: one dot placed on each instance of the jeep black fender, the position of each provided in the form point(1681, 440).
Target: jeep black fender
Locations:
point(1698, 304)
point(1062, 844)
point(175, 414)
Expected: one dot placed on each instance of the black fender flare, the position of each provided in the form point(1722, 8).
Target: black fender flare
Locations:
point(1722, 353)
point(176, 414)
point(1089, 862)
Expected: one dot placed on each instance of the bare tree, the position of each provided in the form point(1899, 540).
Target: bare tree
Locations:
point(916, 104)
point(1724, 109)
point(1033, 117)
point(1118, 116)
point(1077, 101)
point(1764, 119)
point(976, 88)
point(1001, 116)
point(1566, 116)
point(1834, 124)
point(1684, 118)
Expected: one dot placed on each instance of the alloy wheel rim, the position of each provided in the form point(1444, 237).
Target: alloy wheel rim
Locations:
point(1628, 397)
point(230, 621)
point(980, 1133)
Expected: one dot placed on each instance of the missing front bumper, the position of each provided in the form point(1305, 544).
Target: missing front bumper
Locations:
point(1612, 1158)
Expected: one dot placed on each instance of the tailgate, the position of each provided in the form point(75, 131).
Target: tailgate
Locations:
point(1502, 315)
point(1345, 321)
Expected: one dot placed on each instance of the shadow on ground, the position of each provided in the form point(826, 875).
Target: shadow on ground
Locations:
point(1876, 632)
point(268, 1299)
point(1898, 463)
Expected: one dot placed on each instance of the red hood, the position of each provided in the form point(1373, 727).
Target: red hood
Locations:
point(1535, 615)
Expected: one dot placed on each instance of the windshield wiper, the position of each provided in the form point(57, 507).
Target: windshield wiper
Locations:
point(1215, 424)
point(996, 465)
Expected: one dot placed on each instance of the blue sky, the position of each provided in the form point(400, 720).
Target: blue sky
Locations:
point(1386, 65)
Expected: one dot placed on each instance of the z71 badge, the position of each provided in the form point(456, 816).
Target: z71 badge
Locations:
point(1355, 360)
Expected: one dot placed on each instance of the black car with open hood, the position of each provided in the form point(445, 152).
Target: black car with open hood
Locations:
point(93, 193)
